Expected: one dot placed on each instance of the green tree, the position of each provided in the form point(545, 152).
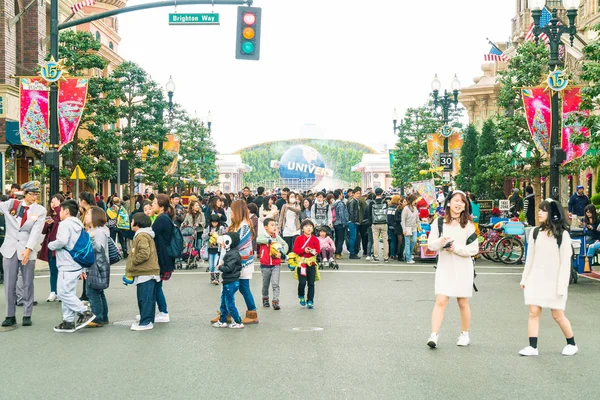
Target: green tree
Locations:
point(141, 106)
point(486, 184)
point(468, 159)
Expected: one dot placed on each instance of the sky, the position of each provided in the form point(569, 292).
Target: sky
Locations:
point(328, 69)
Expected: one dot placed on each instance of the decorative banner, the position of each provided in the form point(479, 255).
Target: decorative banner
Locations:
point(33, 113)
point(171, 146)
point(537, 112)
point(435, 146)
point(570, 104)
point(426, 189)
point(72, 94)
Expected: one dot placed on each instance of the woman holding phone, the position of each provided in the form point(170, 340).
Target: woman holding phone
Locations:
point(457, 243)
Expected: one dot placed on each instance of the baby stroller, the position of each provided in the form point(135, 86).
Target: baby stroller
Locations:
point(190, 257)
point(325, 263)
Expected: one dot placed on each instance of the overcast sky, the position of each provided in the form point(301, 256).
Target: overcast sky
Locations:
point(334, 69)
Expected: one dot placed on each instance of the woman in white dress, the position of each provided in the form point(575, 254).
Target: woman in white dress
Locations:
point(454, 273)
point(545, 281)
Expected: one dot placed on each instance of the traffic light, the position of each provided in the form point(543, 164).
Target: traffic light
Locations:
point(247, 45)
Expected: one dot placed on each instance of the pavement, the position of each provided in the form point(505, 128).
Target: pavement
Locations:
point(365, 339)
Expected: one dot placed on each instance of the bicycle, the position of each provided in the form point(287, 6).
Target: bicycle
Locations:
point(497, 246)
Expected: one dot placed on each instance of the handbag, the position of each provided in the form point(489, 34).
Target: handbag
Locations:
point(114, 255)
point(204, 252)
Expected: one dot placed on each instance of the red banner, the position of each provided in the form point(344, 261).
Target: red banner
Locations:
point(33, 113)
point(537, 112)
point(72, 94)
point(571, 101)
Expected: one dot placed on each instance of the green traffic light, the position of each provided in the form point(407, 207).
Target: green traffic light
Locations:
point(248, 47)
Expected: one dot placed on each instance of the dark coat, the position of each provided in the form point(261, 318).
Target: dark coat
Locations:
point(353, 211)
point(98, 276)
point(232, 266)
point(163, 230)
point(50, 232)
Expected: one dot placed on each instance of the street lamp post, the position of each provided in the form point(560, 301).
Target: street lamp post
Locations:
point(554, 31)
point(400, 131)
point(445, 102)
point(170, 86)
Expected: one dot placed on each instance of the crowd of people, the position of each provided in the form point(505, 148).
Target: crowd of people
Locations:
point(307, 231)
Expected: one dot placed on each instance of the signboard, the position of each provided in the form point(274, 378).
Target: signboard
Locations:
point(77, 173)
point(446, 131)
point(194, 19)
point(557, 81)
point(447, 161)
point(486, 205)
point(504, 205)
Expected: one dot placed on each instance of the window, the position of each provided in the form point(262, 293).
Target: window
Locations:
point(550, 4)
point(97, 36)
point(111, 45)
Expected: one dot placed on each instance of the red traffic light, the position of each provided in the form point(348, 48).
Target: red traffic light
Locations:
point(249, 18)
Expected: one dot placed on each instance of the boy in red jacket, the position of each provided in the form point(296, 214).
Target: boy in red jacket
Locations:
point(307, 246)
point(272, 249)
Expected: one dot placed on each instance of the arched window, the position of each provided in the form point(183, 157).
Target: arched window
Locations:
point(98, 36)
point(111, 45)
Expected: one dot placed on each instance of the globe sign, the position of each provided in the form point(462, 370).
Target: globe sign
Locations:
point(301, 162)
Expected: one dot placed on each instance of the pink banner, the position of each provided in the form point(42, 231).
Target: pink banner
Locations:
point(571, 101)
point(72, 94)
point(33, 113)
point(537, 112)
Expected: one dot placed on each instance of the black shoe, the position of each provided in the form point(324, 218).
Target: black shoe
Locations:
point(84, 319)
point(27, 321)
point(9, 321)
point(354, 257)
point(66, 327)
point(266, 302)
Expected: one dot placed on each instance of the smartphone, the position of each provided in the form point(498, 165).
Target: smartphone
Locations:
point(448, 244)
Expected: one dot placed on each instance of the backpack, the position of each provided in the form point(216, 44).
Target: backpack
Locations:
point(83, 250)
point(114, 255)
point(321, 215)
point(379, 212)
point(470, 240)
point(175, 247)
point(123, 219)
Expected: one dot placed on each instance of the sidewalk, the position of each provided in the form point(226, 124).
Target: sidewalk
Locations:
point(41, 266)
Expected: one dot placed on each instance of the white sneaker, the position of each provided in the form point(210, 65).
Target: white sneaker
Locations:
point(463, 339)
point(138, 327)
point(368, 258)
point(433, 340)
point(410, 262)
point(570, 350)
point(235, 325)
point(220, 324)
point(529, 351)
point(53, 297)
point(161, 318)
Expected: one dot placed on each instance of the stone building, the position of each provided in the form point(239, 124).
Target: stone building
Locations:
point(24, 44)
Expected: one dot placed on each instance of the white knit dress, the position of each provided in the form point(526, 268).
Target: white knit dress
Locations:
point(547, 271)
point(454, 273)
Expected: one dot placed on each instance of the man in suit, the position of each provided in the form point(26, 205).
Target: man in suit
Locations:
point(24, 223)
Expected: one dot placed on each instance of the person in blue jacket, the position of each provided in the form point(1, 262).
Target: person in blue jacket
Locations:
point(578, 202)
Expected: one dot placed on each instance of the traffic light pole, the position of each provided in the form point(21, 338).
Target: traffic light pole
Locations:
point(53, 156)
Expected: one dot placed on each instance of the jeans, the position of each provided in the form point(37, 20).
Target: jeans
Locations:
point(245, 291)
point(212, 262)
point(393, 242)
point(409, 245)
point(340, 235)
point(352, 242)
point(98, 304)
point(369, 241)
point(228, 302)
point(592, 249)
point(146, 297)
point(53, 271)
point(311, 273)
point(161, 300)
point(364, 238)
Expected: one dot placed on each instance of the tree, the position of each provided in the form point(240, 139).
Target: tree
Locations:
point(486, 184)
point(468, 160)
point(141, 106)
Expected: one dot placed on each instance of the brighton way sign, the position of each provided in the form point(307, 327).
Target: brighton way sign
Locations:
point(194, 19)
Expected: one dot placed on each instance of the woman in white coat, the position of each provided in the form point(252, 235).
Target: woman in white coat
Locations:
point(454, 274)
point(545, 281)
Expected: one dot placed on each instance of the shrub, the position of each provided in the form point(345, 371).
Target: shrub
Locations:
point(596, 200)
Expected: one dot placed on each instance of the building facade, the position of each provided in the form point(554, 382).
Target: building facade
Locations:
point(375, 171)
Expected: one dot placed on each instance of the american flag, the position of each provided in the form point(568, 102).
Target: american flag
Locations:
point(85, 3)
point(544, 20)
point(495, 55)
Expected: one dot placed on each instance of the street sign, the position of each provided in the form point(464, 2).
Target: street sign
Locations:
point(446, 131)
point(78, 173)
point(447, 161)
point(194, 19)
point(504, 205)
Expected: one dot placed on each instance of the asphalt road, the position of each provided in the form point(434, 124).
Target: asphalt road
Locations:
point(365, 339)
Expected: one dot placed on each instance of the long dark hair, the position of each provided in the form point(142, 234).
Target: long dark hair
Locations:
point(591, 208)
point(465, 215)
point(265, 204)
point(164, 202)
point(556, 223)
point(239, 214)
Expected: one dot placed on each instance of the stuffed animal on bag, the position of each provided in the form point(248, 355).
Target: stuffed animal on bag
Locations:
point(292, 260)
point(276, 250)
point(213, 239)
point(128, 280)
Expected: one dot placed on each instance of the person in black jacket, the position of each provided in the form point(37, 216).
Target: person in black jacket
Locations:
point(163, 231)
point(529, 206)
point(354, 221)
point(230, 266)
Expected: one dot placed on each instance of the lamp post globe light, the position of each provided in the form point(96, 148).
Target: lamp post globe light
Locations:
point(554, 30)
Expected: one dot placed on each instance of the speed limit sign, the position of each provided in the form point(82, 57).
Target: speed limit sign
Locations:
point(446, 161)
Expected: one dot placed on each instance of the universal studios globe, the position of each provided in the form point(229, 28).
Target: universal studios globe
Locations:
point(302, 163)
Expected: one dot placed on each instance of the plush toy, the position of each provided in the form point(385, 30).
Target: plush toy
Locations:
point(213, 239)
point(292, 259)
point(127, 280)
point(276, 250)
